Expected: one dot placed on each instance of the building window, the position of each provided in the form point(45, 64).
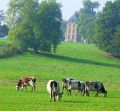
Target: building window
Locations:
point(68, 36)
point(73, 31)
point(69, 25)
point(73, 37)
point(69, 30)
point(73, 25)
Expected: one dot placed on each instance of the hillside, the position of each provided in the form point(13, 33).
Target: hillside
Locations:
point(83, 62)
point(71, 59)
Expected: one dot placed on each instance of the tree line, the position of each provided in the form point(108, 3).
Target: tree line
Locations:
point(101, 28)
point(39, 26)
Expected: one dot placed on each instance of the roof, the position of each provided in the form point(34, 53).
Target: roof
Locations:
point(74, 17)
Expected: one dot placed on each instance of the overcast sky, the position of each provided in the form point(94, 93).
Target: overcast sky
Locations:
point(68, 6)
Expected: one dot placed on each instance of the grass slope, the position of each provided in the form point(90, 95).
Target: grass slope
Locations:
point(84, 62)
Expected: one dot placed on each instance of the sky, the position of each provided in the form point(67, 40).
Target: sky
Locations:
point(68, 6)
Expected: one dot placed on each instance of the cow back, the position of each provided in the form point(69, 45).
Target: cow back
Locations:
point(74, 85)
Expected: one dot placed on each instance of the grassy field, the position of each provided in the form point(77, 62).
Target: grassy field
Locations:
point(80, 61)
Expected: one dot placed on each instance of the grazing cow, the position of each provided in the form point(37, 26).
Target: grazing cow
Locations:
point(54, 90)
point(65, 83)
point(26, 81)
point(72, 84)
point(94, 86)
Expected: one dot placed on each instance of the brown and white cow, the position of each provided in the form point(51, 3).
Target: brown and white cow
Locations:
point(26, 81)
point(53, 89)
point(94, 86)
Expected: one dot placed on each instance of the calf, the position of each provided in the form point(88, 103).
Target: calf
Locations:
point(72, 84)
point(26, 81)
point(94, 86)
point(53, 89)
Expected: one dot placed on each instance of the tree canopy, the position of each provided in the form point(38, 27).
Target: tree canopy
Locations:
point(35, 25)
point(87, 17)
point(107, 28)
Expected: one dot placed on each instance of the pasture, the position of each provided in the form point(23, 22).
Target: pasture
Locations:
point(80, 61)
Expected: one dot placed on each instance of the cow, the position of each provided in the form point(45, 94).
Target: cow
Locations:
point(94, 86)
point(26, 81)
point(65, 83)
point(53, 89)
point(72, 84)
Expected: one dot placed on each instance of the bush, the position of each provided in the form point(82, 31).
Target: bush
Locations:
point(9, 48)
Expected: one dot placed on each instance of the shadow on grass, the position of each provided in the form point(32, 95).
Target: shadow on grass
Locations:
point(75, 101)
point(113, 97)
point(77, 60)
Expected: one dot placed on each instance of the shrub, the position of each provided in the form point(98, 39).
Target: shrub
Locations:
point(9, 48)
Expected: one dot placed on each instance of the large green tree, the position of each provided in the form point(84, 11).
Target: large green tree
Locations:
point(34, 25)
point(87, 17)
point(49, 20)
point(107, 27)
point(20, 20)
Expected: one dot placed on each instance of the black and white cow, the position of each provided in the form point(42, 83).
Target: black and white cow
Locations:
point(26, 81)
point(65, 83)
point(94, 86)
point(72, 84)
point(54, 90)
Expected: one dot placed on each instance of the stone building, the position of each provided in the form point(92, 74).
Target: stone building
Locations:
point(71, 31)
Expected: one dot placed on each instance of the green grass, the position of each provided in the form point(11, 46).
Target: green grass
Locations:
point(83, 62)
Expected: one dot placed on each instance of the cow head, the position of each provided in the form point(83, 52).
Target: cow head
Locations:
point(18, 85)
point(105, 94)
point(60, 96)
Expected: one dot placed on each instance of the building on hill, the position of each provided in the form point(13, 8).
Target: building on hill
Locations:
point(71, 29)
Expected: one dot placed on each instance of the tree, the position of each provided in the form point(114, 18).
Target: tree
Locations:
point(87, 19)
point(3, 30)
point(2, 16)
point(107, 27)
point(34, 25)
point(49, 20)
point(63, 28)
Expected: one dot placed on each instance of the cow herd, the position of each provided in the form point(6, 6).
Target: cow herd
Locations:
point(68, 84)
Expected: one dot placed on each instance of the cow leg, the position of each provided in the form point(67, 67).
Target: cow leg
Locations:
point(77, 92)
point(96, 94)
point(67, 91)
point(51, 96)
point(83, 93)
point(70, 92)
point(25, 88)
point(87, 93)
point(62, 89)
point(54, 98)
point(32, 89)
point(22, 87)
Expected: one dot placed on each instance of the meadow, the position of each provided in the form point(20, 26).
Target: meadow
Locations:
point(80, 61)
